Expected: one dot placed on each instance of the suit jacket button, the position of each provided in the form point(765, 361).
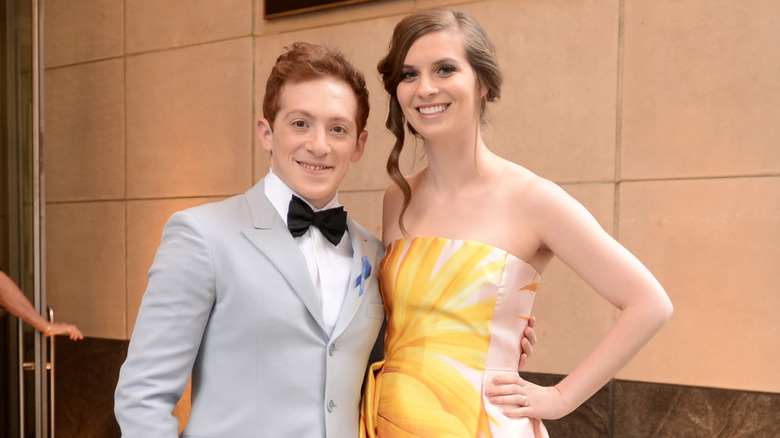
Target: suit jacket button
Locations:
point(331, 405)
point(332, 349)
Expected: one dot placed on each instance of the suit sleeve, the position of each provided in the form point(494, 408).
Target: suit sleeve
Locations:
point(168, 331)
point(378, 350)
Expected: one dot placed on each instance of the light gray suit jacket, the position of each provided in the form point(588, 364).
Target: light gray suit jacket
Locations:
point(230, 300)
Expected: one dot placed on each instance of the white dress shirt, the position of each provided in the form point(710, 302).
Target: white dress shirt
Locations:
point(330, 266)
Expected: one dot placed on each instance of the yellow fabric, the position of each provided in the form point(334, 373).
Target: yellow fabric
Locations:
point(442, 327)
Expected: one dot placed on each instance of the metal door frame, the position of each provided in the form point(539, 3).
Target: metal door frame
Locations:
point(26, 228)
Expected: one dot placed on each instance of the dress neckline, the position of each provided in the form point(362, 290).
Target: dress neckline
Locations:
point(509, 254)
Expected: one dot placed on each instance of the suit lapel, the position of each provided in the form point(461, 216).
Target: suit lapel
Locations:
point(359, 278)
point(272, 238)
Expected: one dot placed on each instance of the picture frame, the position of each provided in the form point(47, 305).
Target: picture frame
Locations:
point(284, 8)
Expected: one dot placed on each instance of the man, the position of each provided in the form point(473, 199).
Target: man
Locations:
point(275, 329)
point(273, 318)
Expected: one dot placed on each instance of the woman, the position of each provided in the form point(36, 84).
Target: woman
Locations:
point(467, 238)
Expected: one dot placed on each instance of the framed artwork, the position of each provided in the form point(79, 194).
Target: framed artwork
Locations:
point(283, 8)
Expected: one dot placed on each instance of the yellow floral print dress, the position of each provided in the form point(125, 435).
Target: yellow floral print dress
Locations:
point(456, 313)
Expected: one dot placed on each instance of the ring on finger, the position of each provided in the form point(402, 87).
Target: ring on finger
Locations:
point(525, 401)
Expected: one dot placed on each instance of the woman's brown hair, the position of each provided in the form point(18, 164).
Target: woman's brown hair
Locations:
point(480, 54)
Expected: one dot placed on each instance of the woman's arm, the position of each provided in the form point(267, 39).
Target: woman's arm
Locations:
point(567, 229)
point(12, 298)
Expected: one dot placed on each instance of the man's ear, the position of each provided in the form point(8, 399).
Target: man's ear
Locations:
point(265, 134)
point(360, 146)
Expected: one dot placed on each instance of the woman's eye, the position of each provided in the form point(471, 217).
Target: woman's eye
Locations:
point(407, 75)
point(340, 129)
point(299, 124)
point(446, 69)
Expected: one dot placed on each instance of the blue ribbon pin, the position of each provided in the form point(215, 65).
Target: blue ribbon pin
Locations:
point(364, 274)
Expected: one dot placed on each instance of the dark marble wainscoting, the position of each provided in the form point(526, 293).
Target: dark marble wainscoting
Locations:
point(655, 410)
point(85, 376)
point(591, 420)
point(651, 410)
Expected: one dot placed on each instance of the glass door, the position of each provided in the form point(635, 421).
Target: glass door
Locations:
point(26, 372)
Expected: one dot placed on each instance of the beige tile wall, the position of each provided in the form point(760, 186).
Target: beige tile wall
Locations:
point(85, 265)
point(77, 31)
point(155, 25)
point(660, 117)
point(715, 245)
point(189, 120)
point(85, 131)
point(700, 93)
point(558, 105)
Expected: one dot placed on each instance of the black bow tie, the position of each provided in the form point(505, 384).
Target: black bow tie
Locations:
point(331, 222)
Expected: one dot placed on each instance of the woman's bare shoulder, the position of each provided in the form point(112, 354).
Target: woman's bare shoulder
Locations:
point(536, 199)
point(521, 181)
